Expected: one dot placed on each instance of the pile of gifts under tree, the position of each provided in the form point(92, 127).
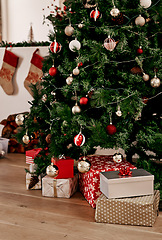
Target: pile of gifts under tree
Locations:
point(118, 191)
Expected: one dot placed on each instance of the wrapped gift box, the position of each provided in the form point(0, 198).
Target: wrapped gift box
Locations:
point(63, 188)
point(66, 167)
point(89, 183)
point(4, 144)
point(31, 154)
point(139, 183)
point(133, 211)
point(28, 179)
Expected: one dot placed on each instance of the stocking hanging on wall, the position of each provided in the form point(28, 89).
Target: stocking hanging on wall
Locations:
point(10, 61)
point(35, 72)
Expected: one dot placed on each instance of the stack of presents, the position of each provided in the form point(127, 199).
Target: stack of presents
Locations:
point(118, 191)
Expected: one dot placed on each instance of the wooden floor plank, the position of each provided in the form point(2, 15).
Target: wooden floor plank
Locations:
point(25, 214)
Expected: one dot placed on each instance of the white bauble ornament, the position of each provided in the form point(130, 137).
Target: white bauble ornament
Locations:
point(69, 80)
point(115, 12)
point(52, 170)
point(74, 45)
point(155, 82)
point(26, 139)
point(19, 119)
point(76, 109)
point(76, 71)
point(84, 165)
point(140, 21)
point(145, 77)
point(145, 3)
point(69, 30)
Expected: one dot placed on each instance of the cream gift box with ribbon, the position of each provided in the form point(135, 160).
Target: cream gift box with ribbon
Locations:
point(63, 188)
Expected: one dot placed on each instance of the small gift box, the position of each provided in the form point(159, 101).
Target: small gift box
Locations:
point(89, 182)
point(141, 210)
point(65, 166)
point(4, 144)
point(31, 154)
point(63, 188)
point(124, 183)
point(32, 181)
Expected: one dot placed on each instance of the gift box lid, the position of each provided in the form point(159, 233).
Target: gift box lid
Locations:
point(137, 175)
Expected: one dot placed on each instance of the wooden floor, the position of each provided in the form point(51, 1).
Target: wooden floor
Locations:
point(26, 215)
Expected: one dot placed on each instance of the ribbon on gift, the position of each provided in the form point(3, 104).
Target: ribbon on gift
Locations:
point(125, 172)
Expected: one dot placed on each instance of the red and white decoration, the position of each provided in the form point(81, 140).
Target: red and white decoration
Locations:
point(55, 47)
point(31, 154)
point(95, 14)
point(89, 182)
point(79, 139)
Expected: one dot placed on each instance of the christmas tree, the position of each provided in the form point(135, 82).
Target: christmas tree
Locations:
point(101, 82)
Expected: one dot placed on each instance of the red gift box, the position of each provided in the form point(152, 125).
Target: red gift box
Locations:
point(89, 182)
point(65, 166)
point(31, 154)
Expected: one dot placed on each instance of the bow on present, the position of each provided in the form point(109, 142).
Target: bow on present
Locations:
point(125, 172)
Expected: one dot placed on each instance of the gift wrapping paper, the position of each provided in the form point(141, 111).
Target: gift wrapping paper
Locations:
point(137, 211)
point(65, 166)
point(89, 182)
point(61, 188)
point(31, 154)
point(37, 186)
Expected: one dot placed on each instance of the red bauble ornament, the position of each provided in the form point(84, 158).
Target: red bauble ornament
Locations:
point(139, 50)
point(55, 47)
point(95, 14)
point(53, 71)
point(79, 140)
point(111, 129)
point(83, 101)
point(80, 64)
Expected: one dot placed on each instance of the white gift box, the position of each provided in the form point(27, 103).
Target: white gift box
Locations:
point(140, 183)
point(4, 144)
point(64, 188)
point(37, 185)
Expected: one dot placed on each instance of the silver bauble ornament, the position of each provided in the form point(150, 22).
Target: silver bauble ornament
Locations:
point(84, 165)
point(76, 109)
point(80, 25)
point(76, 71)
point(145, 77)
point(52, 170)
point(155, 82)
point(69, 80)
point(118, 112)
point(69, 30)
point(140, 21)
point(19, 119)
point(74, 45)
point(109, 44)
point(145, 3)
point(44, 98)
point(115, 12)
point(2, 153)
point(26, 139)
point(117, 157)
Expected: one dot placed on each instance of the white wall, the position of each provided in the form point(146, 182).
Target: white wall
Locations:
point(18, 102)
point(17, 15)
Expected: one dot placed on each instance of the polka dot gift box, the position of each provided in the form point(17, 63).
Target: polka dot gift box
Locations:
point(137, 211)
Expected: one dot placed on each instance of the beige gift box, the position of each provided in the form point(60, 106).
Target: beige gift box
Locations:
point(133, 211)
point(140, 183)
point(63, 188)
point(37, 185)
